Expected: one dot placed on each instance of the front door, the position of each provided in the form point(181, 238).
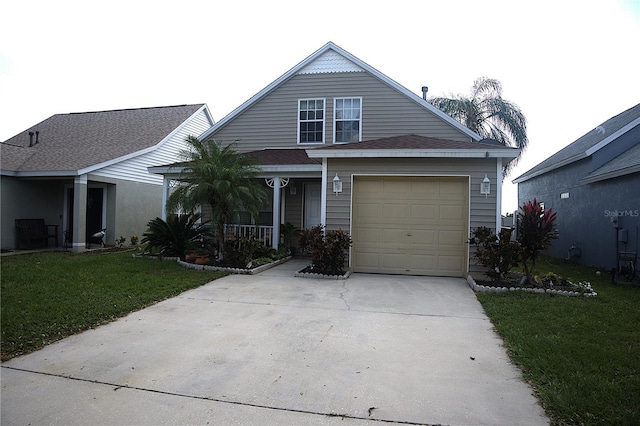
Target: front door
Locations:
point(95, 198)
point(312, 201)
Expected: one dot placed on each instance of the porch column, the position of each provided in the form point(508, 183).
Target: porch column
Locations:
point(79, 213)
point(275, 240)
point(498, 196)
point(323, 200)
point(165, 195)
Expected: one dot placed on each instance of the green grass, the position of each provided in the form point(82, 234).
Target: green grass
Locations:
point(582, 355)
point(48, 296)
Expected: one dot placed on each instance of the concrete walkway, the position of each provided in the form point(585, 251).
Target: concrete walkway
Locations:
point(274, 349)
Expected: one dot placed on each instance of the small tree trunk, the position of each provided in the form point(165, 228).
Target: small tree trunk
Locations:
point(220, 240)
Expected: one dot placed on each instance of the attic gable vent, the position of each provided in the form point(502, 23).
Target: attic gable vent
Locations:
point(330, 62)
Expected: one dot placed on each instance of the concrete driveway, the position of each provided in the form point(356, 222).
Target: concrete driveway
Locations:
point(274, 349)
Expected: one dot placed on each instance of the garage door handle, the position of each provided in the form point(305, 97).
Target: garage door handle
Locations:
point(409, 234)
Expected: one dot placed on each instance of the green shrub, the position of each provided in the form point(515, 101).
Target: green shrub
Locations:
point(240, 251)
point(497, 253)
point(536, 230)
point(177, 234)
point(328, 252)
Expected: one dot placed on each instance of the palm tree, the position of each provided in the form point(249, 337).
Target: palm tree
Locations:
point(486, 113)
point(220, 177)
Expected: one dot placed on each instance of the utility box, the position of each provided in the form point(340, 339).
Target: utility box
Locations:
point(622, 235)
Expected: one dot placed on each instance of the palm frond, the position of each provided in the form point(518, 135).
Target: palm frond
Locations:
point(486, 113)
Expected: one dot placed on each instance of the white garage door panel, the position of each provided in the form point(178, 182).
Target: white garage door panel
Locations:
point(393, 261)
point(424, 212)
point(410, 225)
point(370, 235)
point(425, 237)
point(367, 260)
point(450, 239)
point(450, 263)
point(422, 264)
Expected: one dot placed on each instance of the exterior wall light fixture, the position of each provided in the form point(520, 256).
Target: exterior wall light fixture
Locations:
point(337, 185)
point(485, 186)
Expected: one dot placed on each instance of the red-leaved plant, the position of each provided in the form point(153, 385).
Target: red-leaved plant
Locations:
point(536, 230)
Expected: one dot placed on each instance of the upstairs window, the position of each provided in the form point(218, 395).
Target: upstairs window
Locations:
point(311, 121)
point(347, 119)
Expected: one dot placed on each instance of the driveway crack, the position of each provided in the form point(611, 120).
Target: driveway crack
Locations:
point(344, 291)
point(223, 401)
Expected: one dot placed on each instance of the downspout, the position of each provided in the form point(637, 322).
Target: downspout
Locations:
point(165, 196)
point(275, 239)
point(323, 201)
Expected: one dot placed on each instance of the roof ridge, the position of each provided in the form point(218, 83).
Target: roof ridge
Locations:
point(131, 109)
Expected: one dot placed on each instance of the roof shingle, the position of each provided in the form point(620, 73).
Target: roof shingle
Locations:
point(69, 142)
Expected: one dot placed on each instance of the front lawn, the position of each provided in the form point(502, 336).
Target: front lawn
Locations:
point(49, 296)
point(582, 355)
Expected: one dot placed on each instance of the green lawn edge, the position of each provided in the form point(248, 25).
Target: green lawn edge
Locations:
point(581, 355)
point(48, 296)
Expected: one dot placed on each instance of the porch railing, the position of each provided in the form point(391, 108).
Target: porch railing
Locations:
point(264, 234)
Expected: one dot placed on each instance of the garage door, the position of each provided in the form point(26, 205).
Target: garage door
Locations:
point(410, 225)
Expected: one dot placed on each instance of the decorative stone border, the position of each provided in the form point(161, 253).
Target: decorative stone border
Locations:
point(146, 256)
point(488, 289)
point(300, 274)
point(240, 271)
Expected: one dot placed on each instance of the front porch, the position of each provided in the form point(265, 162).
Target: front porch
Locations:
point(294, 201)
point(294, 181)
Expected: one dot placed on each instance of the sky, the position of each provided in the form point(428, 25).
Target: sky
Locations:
point(569, 65)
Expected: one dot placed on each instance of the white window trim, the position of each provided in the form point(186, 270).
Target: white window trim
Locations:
point(324, 121)
point(334, 119)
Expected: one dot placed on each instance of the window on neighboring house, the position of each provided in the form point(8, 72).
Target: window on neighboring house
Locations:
point(311, 121)
point(347, 119)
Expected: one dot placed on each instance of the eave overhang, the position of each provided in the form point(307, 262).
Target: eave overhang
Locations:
point(611, 175)
point(413, 153)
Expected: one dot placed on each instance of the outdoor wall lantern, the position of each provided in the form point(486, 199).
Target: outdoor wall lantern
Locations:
point(485, 186)
point(337, 185)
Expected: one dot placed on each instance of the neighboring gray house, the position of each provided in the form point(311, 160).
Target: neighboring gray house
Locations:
point(594, 186)
point(343, 145)
point(87, 171)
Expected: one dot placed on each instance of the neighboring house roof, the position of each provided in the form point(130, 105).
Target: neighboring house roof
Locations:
point(624, 164)
point(588, 144)
point(415, 146)
point(79, 141)
point(331, 58)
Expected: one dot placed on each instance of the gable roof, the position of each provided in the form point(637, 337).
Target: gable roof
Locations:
point(415, 146)
point(331, 58)
point(587, 144)
point(68, 143)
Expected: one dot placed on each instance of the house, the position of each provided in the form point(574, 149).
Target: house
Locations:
point(84, 172)
point(594, 186)
point(343, 145)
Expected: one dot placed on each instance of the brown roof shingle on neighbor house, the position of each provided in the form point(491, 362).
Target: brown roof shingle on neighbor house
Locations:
point(68, 142)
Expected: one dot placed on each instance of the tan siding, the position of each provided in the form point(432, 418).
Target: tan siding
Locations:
point(272, 121)
point(294, 210)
